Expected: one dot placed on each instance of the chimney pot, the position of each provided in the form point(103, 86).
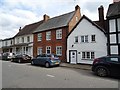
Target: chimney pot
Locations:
point(20, 29)
point(45, 17)
point(101, 13)
point(77, 7)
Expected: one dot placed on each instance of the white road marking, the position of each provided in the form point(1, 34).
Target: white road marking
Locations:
point(50, 75)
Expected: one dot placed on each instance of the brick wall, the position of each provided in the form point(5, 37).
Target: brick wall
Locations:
point(53, 43)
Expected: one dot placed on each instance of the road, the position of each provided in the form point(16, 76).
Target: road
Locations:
point(25, 75)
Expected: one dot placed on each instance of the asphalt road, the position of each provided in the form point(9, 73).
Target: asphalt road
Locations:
point(16, 75)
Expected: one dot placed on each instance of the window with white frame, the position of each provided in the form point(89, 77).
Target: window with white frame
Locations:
point(48, 35)
point(39, 50)
point(48, 49)
point(59, 50)
point(84, 38)
point(93, 39)
point(88, 55)
point(22, 39)
point(59, 34)
point(40, 37)
point(17, 40)
point(119, 38)
point(28, 38)
point(76, 39)
point(118, 24)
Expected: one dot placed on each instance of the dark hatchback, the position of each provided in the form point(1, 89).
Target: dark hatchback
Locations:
point(47, 60)
point(107, 66)
point(21, 58)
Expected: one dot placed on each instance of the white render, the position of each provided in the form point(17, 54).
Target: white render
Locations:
point(22, 49)
point(86, 28)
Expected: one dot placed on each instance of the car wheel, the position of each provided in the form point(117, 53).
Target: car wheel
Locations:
point(47, 65)
point(19, 61)
point(101, 71)
point(32, 63)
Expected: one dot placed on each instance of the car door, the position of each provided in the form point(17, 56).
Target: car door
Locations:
point(43, 59)
point(37, 60)
point(114, 65)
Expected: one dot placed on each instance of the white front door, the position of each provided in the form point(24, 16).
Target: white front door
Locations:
point(73, 57)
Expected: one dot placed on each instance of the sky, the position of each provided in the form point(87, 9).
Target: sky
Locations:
point(18, 13)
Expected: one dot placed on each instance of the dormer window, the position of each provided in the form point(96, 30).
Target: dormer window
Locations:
point(76, 19)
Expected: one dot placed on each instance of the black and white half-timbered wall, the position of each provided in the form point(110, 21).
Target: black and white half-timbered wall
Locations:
point(113, 19)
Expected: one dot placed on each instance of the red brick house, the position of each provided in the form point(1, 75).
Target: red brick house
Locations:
point(50, 37)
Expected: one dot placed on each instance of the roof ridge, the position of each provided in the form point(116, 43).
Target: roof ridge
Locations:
point(61, 15)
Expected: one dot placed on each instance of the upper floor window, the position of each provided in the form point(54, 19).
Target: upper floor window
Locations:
point(118, 24)
point(22, 39)
point(48, 35)
point(40, 37)
point(11, 42)
point(112, 26)
point(5, 43)
point(84, 38)
point(17, 40)
point(59, 34)
point(28, 38)
point(76, 39)
point(93, 38)
point(48, 49)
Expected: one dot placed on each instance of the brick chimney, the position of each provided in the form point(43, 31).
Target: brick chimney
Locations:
point(19, 29)
point(116, 0)
point(101, 13)
point(45, 17)
point(77, 8)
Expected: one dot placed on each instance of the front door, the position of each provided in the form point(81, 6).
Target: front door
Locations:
point(73, 57)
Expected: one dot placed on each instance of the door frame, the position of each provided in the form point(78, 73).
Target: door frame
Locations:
point(70, 54)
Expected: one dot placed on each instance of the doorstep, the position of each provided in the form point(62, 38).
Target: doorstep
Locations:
point(77, 66)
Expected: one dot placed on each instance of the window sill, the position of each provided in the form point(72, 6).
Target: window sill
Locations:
point(93, 42)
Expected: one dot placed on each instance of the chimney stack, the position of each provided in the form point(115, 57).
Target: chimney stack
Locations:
point(116, 0)
point(77, 7)
point(19, 29)
point(101, 13)
point(45, 17)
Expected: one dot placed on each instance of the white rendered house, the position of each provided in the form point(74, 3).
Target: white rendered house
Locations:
point(85, 42)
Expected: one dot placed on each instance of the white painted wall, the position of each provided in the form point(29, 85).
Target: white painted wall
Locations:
point(86, 28)
point(25, 38)
point(8, 42)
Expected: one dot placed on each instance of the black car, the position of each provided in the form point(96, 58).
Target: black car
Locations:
point(5, 56)
point(107, 66)
point(46, 59)
point(21, 58)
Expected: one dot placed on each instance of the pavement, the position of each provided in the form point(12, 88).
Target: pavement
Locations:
point(77, 66)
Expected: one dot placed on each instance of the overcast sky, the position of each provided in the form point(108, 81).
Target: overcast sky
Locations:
point(18, 13)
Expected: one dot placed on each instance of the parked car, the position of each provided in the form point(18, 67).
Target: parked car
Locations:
point(5, 56)
point(21, 58)
point(107, 66)
point(47, 60)
point(10, 56)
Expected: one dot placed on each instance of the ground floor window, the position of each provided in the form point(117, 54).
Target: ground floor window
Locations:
point(39, 51)
point(88, 55)
point(59, 50)
point(48, 49)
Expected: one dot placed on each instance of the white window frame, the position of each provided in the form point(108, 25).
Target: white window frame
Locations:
point(85, 39)
point(39, 49)
point(90, 57)
point(48, 35)
point(39, 36)
point(92, 38)
point(59, 34)
point(28, 38)
point(48, 48)
point(76, 40)
point(59, 50)
point(118, 24)
point(18, 40)
point(22, 39)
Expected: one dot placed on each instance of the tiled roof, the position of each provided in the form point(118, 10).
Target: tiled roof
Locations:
point(28, 29)
point(114, 9)
point(56, 22)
